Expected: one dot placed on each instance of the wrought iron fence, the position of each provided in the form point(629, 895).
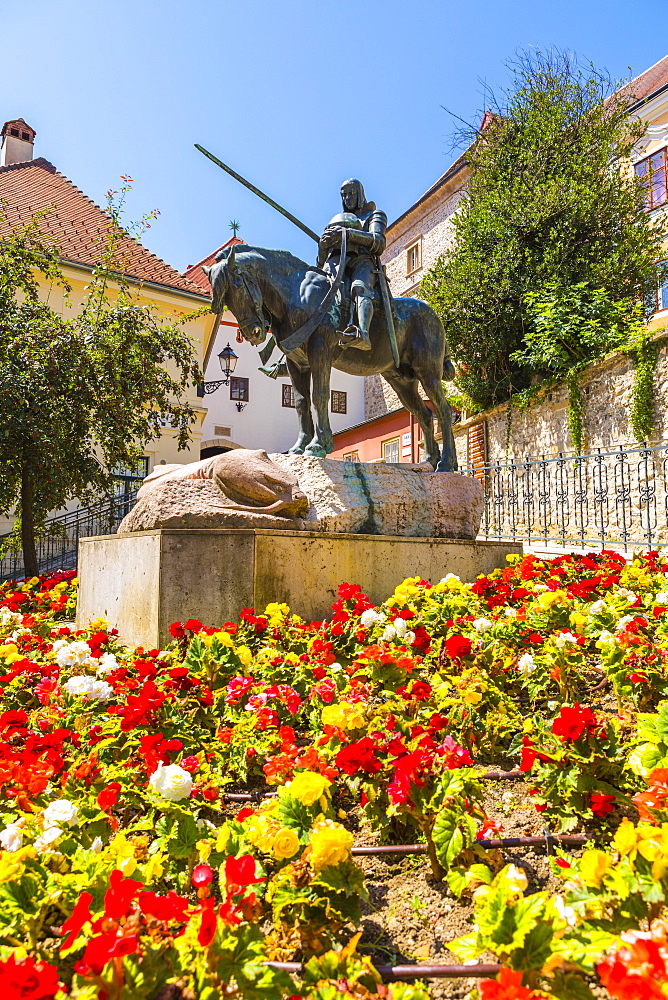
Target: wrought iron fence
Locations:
point(602, 498)
point(58, 548)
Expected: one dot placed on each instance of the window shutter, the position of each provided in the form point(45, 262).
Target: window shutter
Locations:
point(476, 449)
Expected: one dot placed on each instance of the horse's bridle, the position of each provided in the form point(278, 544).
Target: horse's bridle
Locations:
point(260, 317)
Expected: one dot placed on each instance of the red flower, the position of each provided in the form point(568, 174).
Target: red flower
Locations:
point(169, 907)
point(202, 875)
point(190, 764)
point(79, 916)
point(359, 756)
point(601, 805)
point(507, 987)
point(119, 895)
point(28, 980)
point(102, 949)
point(458, 645)
point(108, 797)
point(572, 721)
point(239, 873)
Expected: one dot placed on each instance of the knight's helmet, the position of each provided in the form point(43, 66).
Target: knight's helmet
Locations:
point(361, 200)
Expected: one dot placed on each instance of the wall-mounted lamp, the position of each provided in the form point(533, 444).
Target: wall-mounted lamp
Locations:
point(228, 362)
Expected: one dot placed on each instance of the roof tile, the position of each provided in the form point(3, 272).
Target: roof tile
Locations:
point(76, 225)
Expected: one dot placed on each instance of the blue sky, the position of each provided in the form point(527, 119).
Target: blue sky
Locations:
point(297, 96)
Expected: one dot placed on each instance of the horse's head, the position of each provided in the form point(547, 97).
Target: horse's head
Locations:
point(233, 286)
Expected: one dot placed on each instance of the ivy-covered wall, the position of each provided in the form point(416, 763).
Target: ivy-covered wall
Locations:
point(541, 428)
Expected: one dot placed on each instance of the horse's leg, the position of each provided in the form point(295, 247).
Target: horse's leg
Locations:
point(320, 360)
point(433, 386)
point(301, 384)
point(407, 391)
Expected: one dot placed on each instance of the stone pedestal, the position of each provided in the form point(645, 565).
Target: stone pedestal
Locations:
point(142, 582)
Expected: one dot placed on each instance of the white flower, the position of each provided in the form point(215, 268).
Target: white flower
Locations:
point(661, 597)
point(59, 812)
point(99, 691)
point(58, 645)
point(371, 617)
point(8, 617)
point(450, 576)
point(567, 913)
point(628, 595)
point(565, 637)
point(540, 586)
point(47, 838)
point(400, 627)
point(482, 624)
point(605, 639)
point(597, 607)
point(97, 845)
point(74, 654)
point(79, 685)
point(553, 705)
point(409, 638)
point(11, 838)
point(389, 633)
point(526, 664)
point(171, 781)
point(623, 622)
point(106, 663)
point(510, 612)
point(516, 880)
point(17, 632)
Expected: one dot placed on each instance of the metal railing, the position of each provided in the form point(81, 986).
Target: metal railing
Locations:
point(58, 548)
point(602, 498)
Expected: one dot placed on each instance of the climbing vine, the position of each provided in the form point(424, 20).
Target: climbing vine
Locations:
point(641, 413)
point(575, 409)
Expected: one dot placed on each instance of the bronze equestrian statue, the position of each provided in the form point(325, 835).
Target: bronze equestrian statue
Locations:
point(272, 290)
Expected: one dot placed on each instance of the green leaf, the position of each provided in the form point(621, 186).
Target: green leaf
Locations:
point(187, 834)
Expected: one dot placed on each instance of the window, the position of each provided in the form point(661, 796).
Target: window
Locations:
point(657, 292)
point(652, 173)
point(391, 450)
point(239, 389)
point(25, 136)
point(339, 401)
point(414, 258)
point(476, 449)
point(14, 131)
point(288, 395)
point(351, 456)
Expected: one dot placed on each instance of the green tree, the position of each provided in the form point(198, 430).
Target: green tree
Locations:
point(79, 396)
point(551, 239)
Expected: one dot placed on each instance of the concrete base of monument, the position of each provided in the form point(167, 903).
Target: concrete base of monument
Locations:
point(143, 581)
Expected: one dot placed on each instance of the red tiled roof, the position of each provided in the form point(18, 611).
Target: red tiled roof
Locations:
point(75, 224)
point(650, 81)
point(194, 272)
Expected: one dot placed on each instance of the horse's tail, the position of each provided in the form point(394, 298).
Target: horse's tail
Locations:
point(449, 371)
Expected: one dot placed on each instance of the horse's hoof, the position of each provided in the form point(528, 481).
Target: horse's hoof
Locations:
point(295, 451)
point(314, 452)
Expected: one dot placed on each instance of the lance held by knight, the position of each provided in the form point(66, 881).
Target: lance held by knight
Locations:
point(365, 226)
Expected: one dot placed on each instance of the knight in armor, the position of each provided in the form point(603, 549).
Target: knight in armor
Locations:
point(365, 226)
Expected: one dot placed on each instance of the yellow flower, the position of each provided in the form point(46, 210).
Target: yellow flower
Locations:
point(330, 844)
point(308, 786)
point(625, 838)
point(154, 868)
point(245, 655)
point(204, 848)
point(286, 843)
point(261, 830)
point(552, 597)
point(593, 866)
point(344, 715)
point(472, 697)
point(222, 838)
point(127, 866)
point(577, 618)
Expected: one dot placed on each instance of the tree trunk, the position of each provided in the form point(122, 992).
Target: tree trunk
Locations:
point(28, 526)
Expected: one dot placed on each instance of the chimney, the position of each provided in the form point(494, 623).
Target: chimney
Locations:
point(17, 142)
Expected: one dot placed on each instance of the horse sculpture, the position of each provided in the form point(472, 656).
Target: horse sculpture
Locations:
point(273, 290)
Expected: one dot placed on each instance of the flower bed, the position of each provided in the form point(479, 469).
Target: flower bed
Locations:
point(125, 867)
